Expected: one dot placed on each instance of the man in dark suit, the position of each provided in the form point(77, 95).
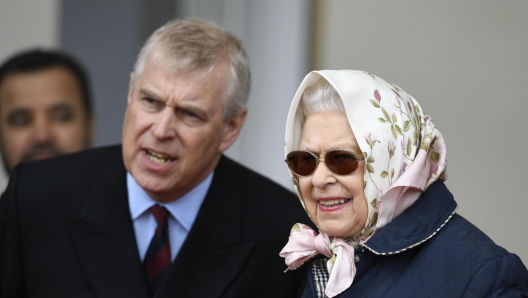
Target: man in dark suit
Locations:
point(165, 214)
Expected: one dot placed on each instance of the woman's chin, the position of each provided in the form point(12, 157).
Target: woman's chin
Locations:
point(339, 231)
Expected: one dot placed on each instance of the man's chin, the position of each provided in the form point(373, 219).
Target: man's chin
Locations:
point(41, 156)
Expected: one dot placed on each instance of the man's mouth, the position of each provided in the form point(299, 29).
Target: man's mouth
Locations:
point(333, 203)
point(42, 155)
point(41, 152)
point(158, 158)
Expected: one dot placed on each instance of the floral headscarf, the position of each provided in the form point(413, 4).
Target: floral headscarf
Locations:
point(404, 154)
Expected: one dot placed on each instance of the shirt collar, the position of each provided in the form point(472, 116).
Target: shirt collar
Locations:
point(184, 210)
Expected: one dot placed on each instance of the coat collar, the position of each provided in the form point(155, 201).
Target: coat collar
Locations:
point(209, 260)
point(417, 224)
point(103, 234)
point(214, 252)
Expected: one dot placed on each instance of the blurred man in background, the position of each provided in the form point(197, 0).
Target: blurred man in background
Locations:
point(45, 107)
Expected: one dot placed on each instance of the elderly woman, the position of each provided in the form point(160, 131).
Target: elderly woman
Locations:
point(369, 168)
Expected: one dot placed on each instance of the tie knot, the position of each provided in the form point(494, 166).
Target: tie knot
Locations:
point(161, 215)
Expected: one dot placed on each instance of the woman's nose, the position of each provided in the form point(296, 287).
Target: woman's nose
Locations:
point(322, 176)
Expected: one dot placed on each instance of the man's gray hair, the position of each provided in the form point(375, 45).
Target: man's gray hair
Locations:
point(319, 98)
point(192, 45)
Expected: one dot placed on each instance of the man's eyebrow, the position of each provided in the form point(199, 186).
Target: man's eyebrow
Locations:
point(60, 105)
point(194, 109)
point(148, 93)
point(18, 110)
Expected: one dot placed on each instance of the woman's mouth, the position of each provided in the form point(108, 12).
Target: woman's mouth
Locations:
point(333, 203)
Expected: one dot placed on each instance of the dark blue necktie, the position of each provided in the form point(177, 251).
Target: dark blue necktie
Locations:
point(158, 258)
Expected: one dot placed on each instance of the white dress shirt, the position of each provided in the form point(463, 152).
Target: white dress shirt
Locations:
point(183, 212)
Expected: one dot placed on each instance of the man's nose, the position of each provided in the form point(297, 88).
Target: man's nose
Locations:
point(42, 130)
point(164, 126)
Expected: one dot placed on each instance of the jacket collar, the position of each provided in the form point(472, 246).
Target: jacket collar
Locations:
point(103, 234)
point(213, 253)
point(417, 224)
point(211, 257)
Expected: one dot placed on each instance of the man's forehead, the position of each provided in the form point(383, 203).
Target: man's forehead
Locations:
point(183, 67)
point(170, 93)
point(160, 83)
point(38, 89)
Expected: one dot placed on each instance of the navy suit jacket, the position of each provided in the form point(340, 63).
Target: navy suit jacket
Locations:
point(66, 231)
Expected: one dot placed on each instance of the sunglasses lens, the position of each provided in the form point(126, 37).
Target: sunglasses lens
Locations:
point(341, 162)
point(301, 163)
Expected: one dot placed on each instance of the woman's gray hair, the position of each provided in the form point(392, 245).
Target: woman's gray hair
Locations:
point(191, 45)
point(319, 98)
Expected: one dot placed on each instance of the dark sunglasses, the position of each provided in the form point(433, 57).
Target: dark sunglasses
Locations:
point(339, 162)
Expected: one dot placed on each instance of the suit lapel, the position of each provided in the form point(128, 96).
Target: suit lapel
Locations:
point(103, 236)
point(213, 253)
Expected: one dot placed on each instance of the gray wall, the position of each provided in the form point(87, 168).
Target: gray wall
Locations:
point(107, 36)
point(276, 34)
point(466, 62)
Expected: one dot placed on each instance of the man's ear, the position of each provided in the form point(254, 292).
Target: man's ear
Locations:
point(232, 129)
